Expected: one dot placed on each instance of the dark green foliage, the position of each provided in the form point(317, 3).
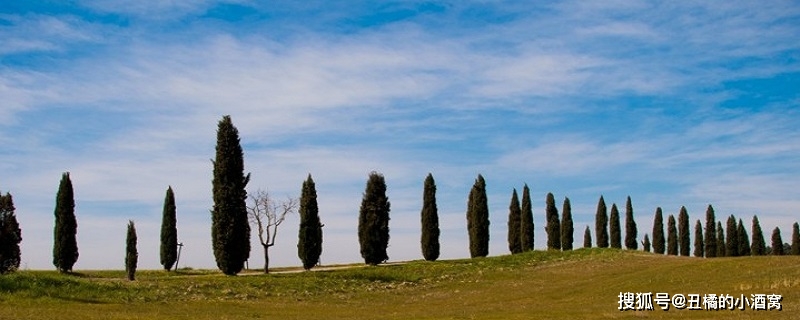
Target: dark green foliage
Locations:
point(478, 219)
point(373, 221)
point(721, 252)
point(614, 228)
point(131, 254)
point(10, 235)
point(430, 221)
point(732, 240)
point(601, 224)
point(567, 229)
point(710, 238)
point(683, 232)
point(630, 227)
point(309, 243)
point(795, 239)
point(553, 227)
point(230, 228)
point(672, 237)
point(698, 239)
point(646, 243)
point(758, 247)
point(169, 232)
point(659, 243)
point(777, 242)
point(514, 229)
point(65, 247)
point(744, 242)
point(587, 238)
point(526, 220)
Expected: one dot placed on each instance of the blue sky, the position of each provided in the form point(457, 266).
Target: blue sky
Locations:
point(675, 104)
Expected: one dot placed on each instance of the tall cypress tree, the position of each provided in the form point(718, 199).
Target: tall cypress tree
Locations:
point(230, 228)
point(309, 243)
point(646, 243)
point(526, 220)
point(744, 243)
point(614, 228)
point(795, 239)
point(514, 229)
point(587, 238)
point(758, 247)
point(10, 235)
point(478, 219)
point(430, 221)
point(169, 231)
point(683, 232)
point(721, 252)
point(698, 239)
point(567, 229)
point(553, 227)
point(710, 233)
point(630, 227)
point(659, 243)
point(373, 221)
point(732, 240)
point(65, 247)
point(672, 237)
point(131, 254)
point(777, 242)
point(601, 224)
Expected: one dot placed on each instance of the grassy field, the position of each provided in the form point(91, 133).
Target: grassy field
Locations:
point(572, 285)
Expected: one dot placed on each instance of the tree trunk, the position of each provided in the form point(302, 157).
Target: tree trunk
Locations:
point(266, 259)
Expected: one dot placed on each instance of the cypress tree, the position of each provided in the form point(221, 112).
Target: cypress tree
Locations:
point(630, 227)
point(131, 254)
point(721, 252)
point(567, 229)
point(659, 243)
point(65, 247)
point(614, 228)
point(553, 227)
point(526, 220)
point(646, 243)
point(10, 235)
point(373, 221)
point(587, 238)
point(758, 247)
point(672, 237)
point(732, 240)
point(514, 229)
point(698, 239)
point(430, 221)
point(309, 243)
point(777, 242)
point(478, 219)
point(683, 232)
point(169, 231)
point(601, 224)
point(230, 227)
point(744, 243)
point(710, 239)
point(795, 239)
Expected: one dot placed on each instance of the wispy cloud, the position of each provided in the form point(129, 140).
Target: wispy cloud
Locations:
point(663, 102)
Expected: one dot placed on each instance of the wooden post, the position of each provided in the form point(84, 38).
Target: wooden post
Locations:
point(178, 259)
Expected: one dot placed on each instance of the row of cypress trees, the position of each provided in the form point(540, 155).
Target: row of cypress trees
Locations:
point(231, 230)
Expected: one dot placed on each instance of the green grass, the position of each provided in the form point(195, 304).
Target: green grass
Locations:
point(578, 284)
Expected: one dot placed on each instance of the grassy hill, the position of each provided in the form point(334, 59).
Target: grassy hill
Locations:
point(579, 284)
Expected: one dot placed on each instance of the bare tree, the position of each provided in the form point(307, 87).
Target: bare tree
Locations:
point(267, 214)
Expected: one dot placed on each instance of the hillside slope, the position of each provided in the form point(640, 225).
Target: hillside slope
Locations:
point(583, 284)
